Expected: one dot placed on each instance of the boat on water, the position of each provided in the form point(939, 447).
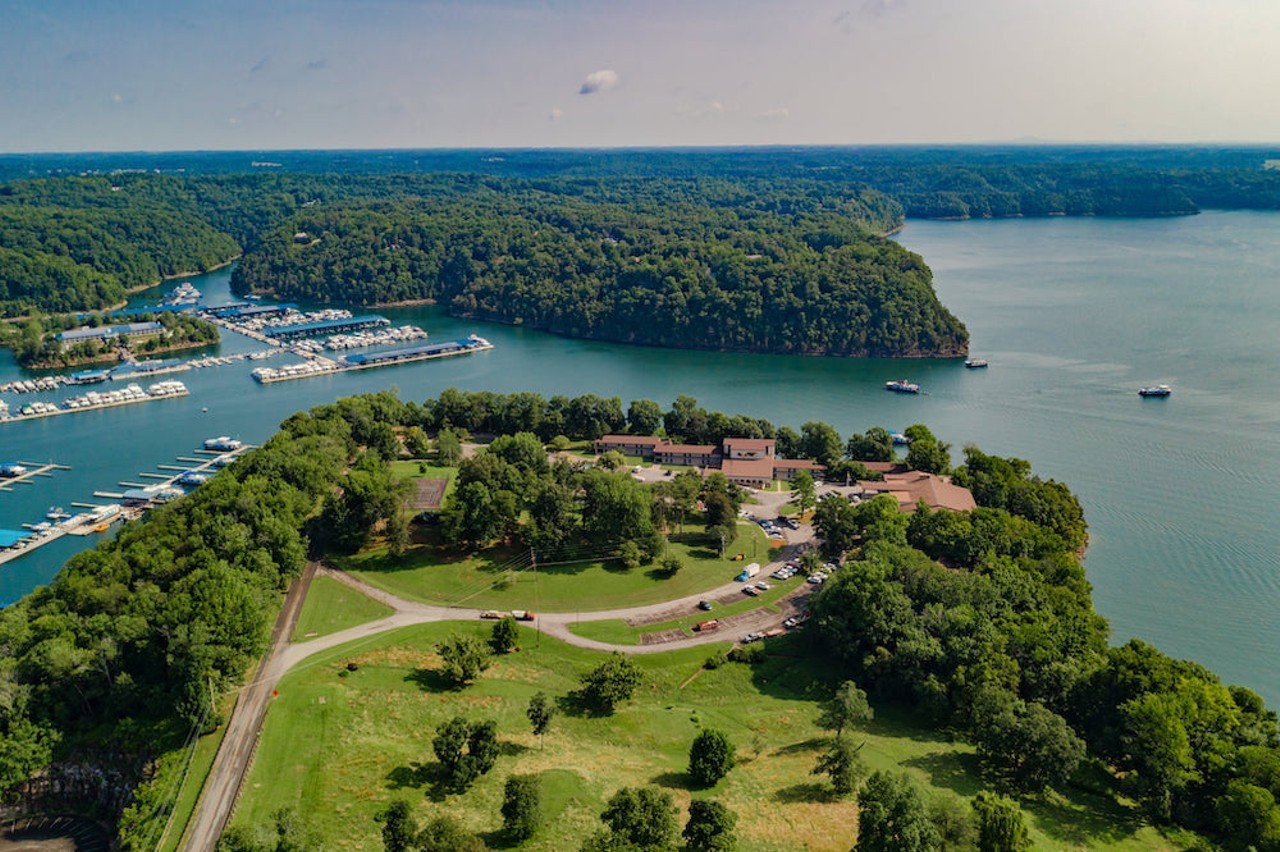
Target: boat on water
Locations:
point(222, 443)
point(252, 297)
point(902, 386)
point(55, 513)
point(1155, 390)
point(976, 363)
point(899, 439)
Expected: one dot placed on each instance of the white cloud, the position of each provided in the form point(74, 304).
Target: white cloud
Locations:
point(599, 81)
point(776, 114)
point(117, 98)
point(556, 114)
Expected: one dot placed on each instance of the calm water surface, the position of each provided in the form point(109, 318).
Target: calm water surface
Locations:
point(1074, 315)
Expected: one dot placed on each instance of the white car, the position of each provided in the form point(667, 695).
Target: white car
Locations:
point(763, 586)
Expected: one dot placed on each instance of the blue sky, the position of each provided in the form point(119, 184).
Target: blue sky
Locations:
point(120, 75)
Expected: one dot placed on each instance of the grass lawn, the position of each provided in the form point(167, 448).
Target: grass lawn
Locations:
point(330, 606)
point(618, 632)
point(193, 782)
point(433, 574)
point(338, 746)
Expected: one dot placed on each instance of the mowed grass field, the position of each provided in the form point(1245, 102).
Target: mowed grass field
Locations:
point(339, 745)
point(434, 574)
point(330, 606)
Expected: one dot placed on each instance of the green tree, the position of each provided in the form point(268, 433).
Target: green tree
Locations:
point(711, 756)
point(506, 636)
point(417, 442)
point(804, 490)
point(466, 750)
point(847, 706)
point(611, 460)
point(892, 816)
point(616, 509)
point(541, 711)
point(644, 417)
point(873, 445)
point(1000, 824)
point(609, 684)
point(640, 818)
point(710, 827)
point(399, 828)
point(820, 441)
point(521, 807)
point(448, 448)
point(463, 657)
point(670, 566)
point(953, 820)
point(841, 763)
point(1032, 744)
point(1249, 817)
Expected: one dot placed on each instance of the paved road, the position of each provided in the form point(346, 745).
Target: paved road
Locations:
point(235, 755)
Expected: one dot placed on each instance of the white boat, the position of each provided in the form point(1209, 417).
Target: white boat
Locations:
point(975, 363)
point(1155, 390)
point(902, 386)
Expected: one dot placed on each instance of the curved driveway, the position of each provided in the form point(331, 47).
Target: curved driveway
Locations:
point(231, 764)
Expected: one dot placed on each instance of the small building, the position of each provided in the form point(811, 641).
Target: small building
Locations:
point(751, 473)
point(694, 455)
point(786, 469)
point(629, 445)
point(750, 448)
point(108, 332)
point(301, 237)
point(911, 487)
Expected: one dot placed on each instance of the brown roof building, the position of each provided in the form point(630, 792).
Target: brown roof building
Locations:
point(911, 487)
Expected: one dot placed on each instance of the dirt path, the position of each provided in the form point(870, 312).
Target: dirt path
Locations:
point(232, 760)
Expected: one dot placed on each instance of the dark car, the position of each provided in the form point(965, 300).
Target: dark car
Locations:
point(705, 605)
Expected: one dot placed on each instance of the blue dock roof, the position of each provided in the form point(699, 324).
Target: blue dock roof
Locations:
point(424, 349)
point(8, 538)
point(321, 326)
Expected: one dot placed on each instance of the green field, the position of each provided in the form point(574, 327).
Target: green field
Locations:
point(339, 745)
point(330, 606)
point(433, 574)
point(618, 632)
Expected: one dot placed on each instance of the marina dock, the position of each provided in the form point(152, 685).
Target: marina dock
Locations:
point(318, 366)
point(98, 517)
point(94, 400)
point(34, 470)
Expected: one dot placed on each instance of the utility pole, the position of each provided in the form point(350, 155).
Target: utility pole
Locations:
point(537, 599)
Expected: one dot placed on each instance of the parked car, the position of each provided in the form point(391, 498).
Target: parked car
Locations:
point(750, 590)
point(491, 613)
point(751, 637)
point(705, 626)
point(522, 615)
point(705, 606)
point(790, 622)
point(763, 586)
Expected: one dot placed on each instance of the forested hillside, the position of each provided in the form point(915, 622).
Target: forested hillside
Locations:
point(82, 243)
point(665, 271)
point(756, 249)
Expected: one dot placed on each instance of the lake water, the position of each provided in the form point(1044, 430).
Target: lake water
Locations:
point(1074, 315)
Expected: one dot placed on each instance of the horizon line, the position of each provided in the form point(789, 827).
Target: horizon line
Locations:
point(1015, 143)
